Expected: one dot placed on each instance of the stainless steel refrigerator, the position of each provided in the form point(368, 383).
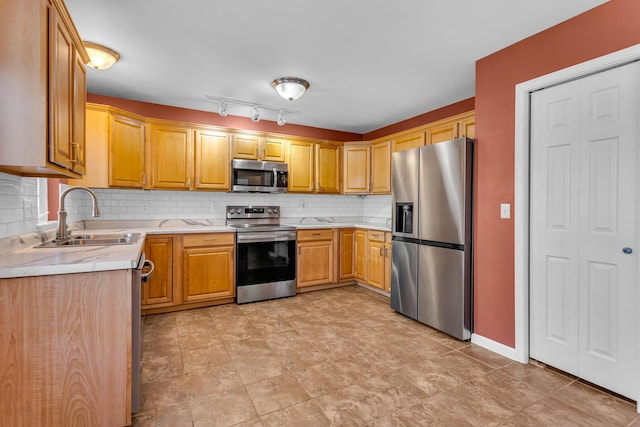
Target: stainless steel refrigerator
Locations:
point(431, 279)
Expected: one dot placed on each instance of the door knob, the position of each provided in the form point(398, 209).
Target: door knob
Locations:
point(627, 251)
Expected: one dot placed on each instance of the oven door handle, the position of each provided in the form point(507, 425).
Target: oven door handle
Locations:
point(264, 237)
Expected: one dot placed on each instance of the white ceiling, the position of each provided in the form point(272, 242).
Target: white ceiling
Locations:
point(370, 63)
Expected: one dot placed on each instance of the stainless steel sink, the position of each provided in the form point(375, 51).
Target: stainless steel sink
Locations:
point(94, 240)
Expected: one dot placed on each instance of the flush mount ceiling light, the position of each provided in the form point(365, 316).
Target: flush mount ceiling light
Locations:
point(100, 57)
point(290, 88)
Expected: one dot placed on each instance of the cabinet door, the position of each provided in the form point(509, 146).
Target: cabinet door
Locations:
point(126, 153)
point(356, 174)
point(375, 264)
point(406, 142)
point(245, 147)
point(315, 263)
point(171, 157)
point(387, 264)
point(347, 254)
point(328, 168)
point(301, 166)
point(468, 127)
point(442, 132)
point(381, 168)
point(78, 145)
point(360, 247)
point(273, 149)
point(207, 273)
point(158, 290)
point(212, 161)
point(61, 65)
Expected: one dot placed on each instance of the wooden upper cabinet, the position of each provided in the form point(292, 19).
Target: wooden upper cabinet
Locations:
point(468, 127)
point(356, 174)
point(381, 167)
point(442, 132)
point(301, 171)
point(327, 168)
point(212, 161)
point(408, 141)
point(97, 147)
point(273, 149)
point(245, 146)
point(43, 89)
point(126, 152)
point(171, 157)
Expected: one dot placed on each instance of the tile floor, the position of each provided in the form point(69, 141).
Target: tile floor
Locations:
point(343, 357)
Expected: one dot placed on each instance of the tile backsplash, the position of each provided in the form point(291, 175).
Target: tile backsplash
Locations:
point(18, 205)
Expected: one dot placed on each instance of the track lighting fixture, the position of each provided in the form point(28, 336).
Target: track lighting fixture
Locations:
point(255, 114)
point(222, 110)
point(256, 110)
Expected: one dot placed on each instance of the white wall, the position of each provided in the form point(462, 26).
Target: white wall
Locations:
point(18, 205)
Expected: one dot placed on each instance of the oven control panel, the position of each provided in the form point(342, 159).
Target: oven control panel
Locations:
point(238, 212)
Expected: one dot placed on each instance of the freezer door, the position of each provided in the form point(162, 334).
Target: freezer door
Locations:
point(443, 294)
point(442, 204)
point(404, 187)
point(404, 275)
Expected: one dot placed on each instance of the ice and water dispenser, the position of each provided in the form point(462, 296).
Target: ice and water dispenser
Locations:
point(404, 218)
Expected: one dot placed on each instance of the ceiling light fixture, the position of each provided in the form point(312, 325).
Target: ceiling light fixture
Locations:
point(256, 113)
point(222, 110)
point(101, 57)
point(290, 88)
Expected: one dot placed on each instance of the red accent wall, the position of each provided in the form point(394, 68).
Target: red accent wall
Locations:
point(166, 112)
point(613, 26)
point(431, 116)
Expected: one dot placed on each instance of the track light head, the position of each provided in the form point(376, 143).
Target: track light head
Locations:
point(222, 110)
point(281, 119)
point(255, 114)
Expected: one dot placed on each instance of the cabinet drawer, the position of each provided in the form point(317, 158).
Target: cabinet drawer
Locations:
point(209, 239)
point(323, 234)
point(376, 236)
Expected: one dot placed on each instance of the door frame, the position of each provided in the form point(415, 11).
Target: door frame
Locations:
point(522, 169)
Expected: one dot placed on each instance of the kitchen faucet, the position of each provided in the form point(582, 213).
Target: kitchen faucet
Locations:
point(62, 233)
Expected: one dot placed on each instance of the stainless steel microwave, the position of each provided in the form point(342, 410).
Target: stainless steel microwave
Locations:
point(257, 176)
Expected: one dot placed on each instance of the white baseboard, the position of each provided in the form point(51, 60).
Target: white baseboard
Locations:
point(496, 347)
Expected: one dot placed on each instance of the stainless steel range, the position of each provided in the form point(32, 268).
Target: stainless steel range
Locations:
point(265, 253)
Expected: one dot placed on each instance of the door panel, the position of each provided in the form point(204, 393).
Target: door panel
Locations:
point(584, 211)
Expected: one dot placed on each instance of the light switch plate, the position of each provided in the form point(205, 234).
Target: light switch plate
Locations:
point(505, 210)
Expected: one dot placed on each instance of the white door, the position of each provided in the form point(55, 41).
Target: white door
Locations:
point(584, 228)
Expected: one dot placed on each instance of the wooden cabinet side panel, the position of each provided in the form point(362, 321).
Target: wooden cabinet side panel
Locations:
point(97, 145)
point(126, 153)
point(66, 349)
point(212, 158)
point(79, 114)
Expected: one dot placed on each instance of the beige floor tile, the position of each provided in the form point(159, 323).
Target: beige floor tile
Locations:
point(259, 368)
point(221, 410)
point(607, 408)
point(198, 342)
point(430, 413)
point(198, 359)
point(322, 378)
point(352, 406)
point(485, 356)
point(163, 393)
point(509, 391)
point(305, 414)
point(553, 412)
point(160, 368)
point(171, 416)
point(214, 380)
point(395, 391)
point(543, 379)
point(276, 393)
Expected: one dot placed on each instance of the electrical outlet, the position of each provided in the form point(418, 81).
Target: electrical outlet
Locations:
point(213, 208)
point(302, 204)
point(145, 206)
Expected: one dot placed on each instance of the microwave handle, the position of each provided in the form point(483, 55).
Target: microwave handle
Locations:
point(275, 178)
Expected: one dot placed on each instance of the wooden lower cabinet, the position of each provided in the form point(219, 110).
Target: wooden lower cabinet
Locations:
point(315, 264)
point(360, 256)
point(379, 259)
point(191, 270)
point(346, 245)
point(157, 291)
point(208, 266)
point(66, 349)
